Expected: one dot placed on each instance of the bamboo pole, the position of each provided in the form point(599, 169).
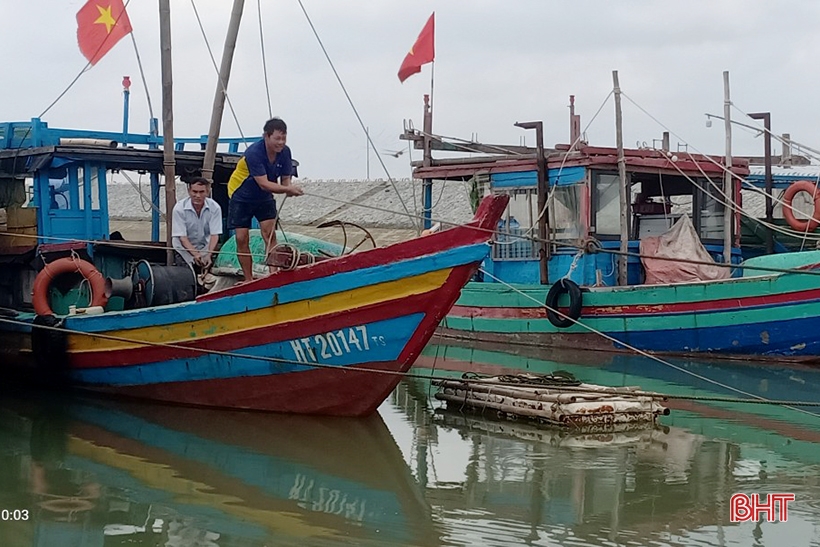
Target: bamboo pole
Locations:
point(222, 89)
point(622, 187)
point(169, 160)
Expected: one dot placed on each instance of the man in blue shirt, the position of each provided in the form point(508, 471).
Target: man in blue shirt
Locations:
point(265, 169)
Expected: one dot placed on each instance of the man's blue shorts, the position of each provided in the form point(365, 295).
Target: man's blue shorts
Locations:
point(240, 213)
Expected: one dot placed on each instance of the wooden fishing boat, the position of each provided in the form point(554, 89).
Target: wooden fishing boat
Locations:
point(655, 267)
point(332, 337)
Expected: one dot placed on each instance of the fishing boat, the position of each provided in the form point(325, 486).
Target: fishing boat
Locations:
point(583, 260)
point(329, 335)
point(133, 472)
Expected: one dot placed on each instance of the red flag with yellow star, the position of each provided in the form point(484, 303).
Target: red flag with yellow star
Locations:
point(100, 25)
point(422, 52)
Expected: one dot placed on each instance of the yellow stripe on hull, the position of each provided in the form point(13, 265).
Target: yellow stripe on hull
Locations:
point(265, 317)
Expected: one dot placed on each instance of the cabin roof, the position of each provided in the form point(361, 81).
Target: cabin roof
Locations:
point(757, 173)
point(26, 161)
point(590, 156)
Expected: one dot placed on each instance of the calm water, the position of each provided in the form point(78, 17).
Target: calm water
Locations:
point(88, 472)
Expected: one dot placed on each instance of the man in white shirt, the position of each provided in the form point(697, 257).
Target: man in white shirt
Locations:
point(197, 224)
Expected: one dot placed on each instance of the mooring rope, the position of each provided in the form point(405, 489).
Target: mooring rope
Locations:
point(633, 348)
point(278, 362)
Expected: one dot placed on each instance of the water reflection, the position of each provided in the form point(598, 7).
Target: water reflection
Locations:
point(96, 473)
point(91, 472)
point(515, 483)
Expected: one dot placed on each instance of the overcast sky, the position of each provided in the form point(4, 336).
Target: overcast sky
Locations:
point(497, 62)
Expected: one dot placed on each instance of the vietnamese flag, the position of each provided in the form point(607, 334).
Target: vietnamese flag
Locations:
point(100, 25)
point(422, 52)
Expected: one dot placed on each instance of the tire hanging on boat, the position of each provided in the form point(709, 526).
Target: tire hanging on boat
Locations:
point(59, 267)
point(575, 302)
point(796, 187)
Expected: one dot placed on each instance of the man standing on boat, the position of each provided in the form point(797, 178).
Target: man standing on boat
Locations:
point(196, 225)
point(265, 169)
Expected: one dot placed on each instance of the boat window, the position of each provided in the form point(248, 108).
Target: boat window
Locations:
point(607, 204)
point(710, 225)
point(520, 219)
point(565, 212)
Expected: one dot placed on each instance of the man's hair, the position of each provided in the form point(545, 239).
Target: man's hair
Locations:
point(199, 180)
point(275, 124)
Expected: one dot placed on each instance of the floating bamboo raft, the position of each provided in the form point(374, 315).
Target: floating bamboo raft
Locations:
point(555, 400)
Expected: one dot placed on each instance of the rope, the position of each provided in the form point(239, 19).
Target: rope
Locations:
point(356, 112)
point(264, 60)
point(628, 346)
point(142, 75)
point(755, 399)
point(724, 169)
point(216, 69)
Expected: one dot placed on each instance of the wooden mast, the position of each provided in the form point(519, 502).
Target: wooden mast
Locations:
point(169, 161)
point(622, 187)
point(222, 89)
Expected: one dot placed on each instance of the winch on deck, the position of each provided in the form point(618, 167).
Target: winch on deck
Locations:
point(553, 399)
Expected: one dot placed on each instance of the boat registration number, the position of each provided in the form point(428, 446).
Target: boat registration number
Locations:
point(324, 346)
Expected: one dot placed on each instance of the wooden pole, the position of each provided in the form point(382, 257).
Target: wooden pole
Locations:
point(727, 175)
point(427, 161)
point(543, 191)
point(622, 187)
point(222, 89)
point(169, 161)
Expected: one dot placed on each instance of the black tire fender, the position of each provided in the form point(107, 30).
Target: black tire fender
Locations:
point(575, 303)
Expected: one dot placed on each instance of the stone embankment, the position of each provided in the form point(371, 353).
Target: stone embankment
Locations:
point(370, 203)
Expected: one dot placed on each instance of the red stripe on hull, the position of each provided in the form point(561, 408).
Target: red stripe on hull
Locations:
point(338, 392)
point(640, 309)
point(477, 231)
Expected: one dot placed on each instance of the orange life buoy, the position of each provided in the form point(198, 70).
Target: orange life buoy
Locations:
point(788, 213)
point(59, 267)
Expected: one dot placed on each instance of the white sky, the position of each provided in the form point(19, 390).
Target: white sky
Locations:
point(497, 62)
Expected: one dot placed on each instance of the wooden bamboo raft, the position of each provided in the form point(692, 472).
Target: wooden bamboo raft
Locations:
point(553, 401)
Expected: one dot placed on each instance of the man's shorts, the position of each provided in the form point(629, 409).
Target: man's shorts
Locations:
point(240, 213)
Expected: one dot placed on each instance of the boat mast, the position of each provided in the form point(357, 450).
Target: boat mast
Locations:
point(222, 90)
point(622, 189)
point(169, 161)
point(727, 174)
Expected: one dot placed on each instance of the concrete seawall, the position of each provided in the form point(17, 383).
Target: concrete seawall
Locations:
point(370, 203)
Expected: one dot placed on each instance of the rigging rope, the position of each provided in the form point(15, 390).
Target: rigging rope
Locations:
point(356, 112)
point(142, 76)
point(277, 362)
point(264, 60)
point(216, 68)
point(633, 348)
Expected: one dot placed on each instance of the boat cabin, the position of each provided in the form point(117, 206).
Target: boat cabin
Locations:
point(54, 202)
point(583, 212)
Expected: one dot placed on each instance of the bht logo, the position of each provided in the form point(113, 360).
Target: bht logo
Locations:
point(743, 507)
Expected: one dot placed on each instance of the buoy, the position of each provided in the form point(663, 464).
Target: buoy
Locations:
point(788, 213)
point(61, 266)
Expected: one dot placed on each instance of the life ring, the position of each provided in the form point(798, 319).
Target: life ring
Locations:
point(788, 213)
point(59, 267)
point(575, 302)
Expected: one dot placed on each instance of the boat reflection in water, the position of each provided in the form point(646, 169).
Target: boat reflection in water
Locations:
point(502, 482)
point(91, 472)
